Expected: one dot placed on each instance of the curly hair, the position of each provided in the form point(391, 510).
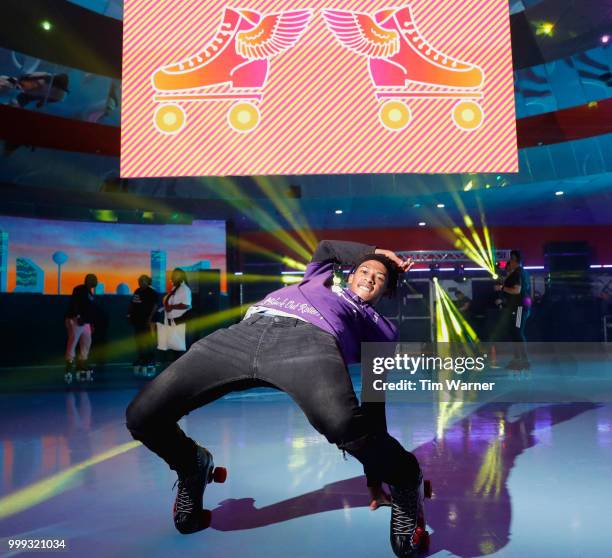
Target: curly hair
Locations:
point(393, 271)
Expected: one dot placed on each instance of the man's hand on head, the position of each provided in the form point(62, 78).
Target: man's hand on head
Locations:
point(403, 265)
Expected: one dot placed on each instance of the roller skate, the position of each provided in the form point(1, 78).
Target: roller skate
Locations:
point(69, 372)
point(84, 372)
point(233, 66)
point(403, 65)
point(138, 369)
point(518, 364)
point(408, 534)
point(188, 511)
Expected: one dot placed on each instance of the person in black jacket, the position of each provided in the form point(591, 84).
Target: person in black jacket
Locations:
point(515, 311)
point(140, 313)
point(79, 321)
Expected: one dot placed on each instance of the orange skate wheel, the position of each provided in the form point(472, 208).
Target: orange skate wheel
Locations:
point(394, 115)
point(169, 119)
point(243, 117)
point(220, 474)
point(468, 115)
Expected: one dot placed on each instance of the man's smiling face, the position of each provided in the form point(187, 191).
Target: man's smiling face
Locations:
point(369, 281)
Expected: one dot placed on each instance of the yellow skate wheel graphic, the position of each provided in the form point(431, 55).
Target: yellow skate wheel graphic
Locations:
point(169, 119)
point(468, 115)
point(394, 115)
point(243, 117)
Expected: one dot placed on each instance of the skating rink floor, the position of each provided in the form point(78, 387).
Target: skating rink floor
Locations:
point(510, 480)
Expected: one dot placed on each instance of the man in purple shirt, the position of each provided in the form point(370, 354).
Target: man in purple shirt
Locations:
point(298, 339)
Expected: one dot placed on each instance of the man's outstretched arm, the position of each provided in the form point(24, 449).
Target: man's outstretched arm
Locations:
point(341, 251)
point(345, 252)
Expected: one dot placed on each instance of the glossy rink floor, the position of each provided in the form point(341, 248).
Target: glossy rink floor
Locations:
point(509, 480)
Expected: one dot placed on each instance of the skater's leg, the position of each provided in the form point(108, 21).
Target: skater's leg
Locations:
point(519, 338)
point(85, 342)
point(317, 379)
point(149, 349)
point(73, 331)
point(212, 367)
point(305, 362)
point(139, 340)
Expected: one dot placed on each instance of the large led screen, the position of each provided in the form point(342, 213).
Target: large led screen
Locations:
point(316, 87)
point(35, 253)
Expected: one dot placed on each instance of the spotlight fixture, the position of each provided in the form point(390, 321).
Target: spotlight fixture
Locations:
point(559, 193)
point(605, 39)
point(440, 205)
point(545, 28)
point(338, 212)
point(434, 269)
point(422, 223)
point(46, 25)
point(468, 186)
point(417, 205)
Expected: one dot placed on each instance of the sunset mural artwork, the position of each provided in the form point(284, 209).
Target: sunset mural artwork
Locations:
point(117, 253)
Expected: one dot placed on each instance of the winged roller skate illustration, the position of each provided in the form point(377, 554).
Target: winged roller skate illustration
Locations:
point(232, 66)
point(403, 65)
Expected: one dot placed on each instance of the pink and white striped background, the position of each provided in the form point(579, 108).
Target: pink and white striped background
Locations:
point(319, 114)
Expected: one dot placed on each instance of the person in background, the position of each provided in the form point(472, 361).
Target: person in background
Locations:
point(526, 302)
point(514, 313)
point(41, 88)
point(140, 314)
point(463, 303)
point(176, 304)
point(79, 320)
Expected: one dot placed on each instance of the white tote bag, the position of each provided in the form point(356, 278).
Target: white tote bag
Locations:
point(171, 336)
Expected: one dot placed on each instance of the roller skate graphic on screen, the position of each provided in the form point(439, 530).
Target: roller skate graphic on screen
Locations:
point(403, 65)
point(232, 67)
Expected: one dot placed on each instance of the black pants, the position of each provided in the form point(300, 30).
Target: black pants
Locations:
point(511, 328)
point(145, 343)
point(517, 331)
point(288, 354)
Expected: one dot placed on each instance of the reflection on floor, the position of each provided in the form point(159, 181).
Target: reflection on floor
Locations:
point(509, 480)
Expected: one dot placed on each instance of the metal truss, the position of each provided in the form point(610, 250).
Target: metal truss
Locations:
point(447, 256)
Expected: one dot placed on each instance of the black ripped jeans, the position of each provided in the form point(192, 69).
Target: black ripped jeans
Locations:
point(285, 353)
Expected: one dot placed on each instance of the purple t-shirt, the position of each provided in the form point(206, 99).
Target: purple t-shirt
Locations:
point(338, 311)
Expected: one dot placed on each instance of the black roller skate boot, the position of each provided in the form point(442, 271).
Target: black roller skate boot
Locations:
point(189, 515)
point(84, 372)
point(514, 364)
point(69, 372)
point(408, 534)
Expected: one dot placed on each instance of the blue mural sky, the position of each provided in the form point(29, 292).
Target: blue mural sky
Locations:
point(116, 253)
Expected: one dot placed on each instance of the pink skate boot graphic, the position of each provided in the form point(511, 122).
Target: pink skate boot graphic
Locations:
point(403, 65)
point(232, 66)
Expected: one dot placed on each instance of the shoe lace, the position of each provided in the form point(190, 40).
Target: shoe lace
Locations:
point(184, 503)
point(404, 512)
point(212, 45)
point(411, 29)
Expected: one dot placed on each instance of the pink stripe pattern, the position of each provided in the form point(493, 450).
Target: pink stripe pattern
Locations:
point(322, 107)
